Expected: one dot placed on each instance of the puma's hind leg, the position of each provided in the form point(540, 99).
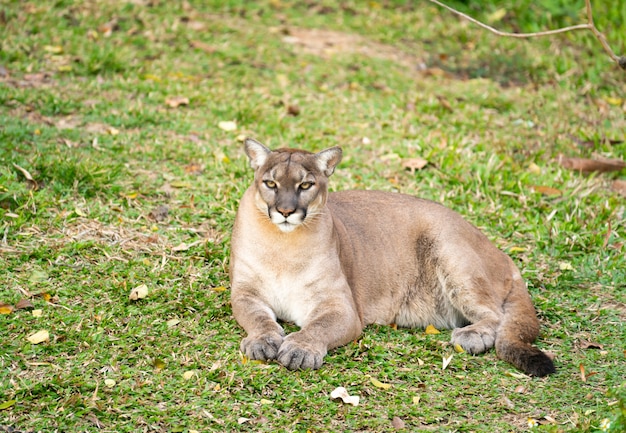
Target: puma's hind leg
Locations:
point(481, 311)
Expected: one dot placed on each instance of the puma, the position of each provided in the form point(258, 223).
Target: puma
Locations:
point(333, 263)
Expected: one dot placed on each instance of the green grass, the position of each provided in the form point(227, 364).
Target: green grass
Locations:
point(84, 112)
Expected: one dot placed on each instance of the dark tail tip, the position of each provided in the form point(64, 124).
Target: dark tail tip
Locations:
point(538, 365)
point(527, 358)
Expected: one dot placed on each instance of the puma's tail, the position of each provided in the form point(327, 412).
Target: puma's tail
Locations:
point(517, 331)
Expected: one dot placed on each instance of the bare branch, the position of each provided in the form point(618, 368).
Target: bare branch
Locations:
point(589, 25)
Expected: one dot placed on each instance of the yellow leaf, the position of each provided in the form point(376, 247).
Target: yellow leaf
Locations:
point(534, 168)
point(613, 101)
point(109, 383)
point(517, 249)
point(180, 184)
point(378, 384)
point(39, 337)
point(496, 16)
point(53, 49)
point(458, 348)
point(6, 309)
point(188, 374)
point(219, 289)
point(7, 404)
point(158, 364)
point(264, 401)
point(431, 330)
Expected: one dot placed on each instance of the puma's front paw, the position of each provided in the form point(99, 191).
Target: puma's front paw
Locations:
point(297, 354)
point(262, 347)
point(474, 338)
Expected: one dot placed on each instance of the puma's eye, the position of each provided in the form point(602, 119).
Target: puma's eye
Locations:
point(306, 185)
point(270, 184)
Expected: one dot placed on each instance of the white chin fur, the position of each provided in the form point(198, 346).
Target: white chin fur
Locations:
point(286, 225)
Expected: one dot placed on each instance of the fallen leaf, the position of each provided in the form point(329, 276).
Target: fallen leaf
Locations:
point(583, 376)
point(566, 266)
point(158, 364)
point(265, 401)
point(139, 292)
point(342, 393)
point(159, 213)
point(39, 337)
point(414, 164)
point(172, 322)
point(37, 313)
point(547, 190)
point(444, 103)
point(378, 384)
point(416, 399)
point(227, 125)
point(53, 49)
point(24, 304)
point(431, 330)
point(619, 186)
point(7, 404)
point(109, 383)
point(496, 15)
point(209, 49)
point(516, 375)
point(218, 289)
point(458, 348)
point(188, 374)
point(242, 420)
point(6, 309)
point(293, 110)
point(397, 423)
point(585, 344)
point(446, 361)
point(584, 165)
point(176, 101)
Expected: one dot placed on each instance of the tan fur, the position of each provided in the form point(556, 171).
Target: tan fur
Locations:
point(335, 263)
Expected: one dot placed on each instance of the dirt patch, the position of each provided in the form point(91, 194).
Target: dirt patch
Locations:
point(118, 237)
point(328, 43)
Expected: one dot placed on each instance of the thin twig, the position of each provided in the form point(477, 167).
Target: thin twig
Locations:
point(589, 25)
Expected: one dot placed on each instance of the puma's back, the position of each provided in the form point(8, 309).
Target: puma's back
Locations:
point(334, 263)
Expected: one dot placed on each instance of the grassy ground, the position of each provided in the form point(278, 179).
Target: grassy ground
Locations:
point(115, 172)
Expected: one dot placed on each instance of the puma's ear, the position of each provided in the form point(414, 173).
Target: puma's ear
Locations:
point(328, 159)
point(257, 153)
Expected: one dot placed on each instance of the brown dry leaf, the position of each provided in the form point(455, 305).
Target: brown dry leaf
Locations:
point(547, 190)
point(583, 376)
point(159, 213)
point(194, 168)
point(209, 49)
point(413, 164)
point(24, 304)
point(585, 344)
point(176, 101)
point(619, 186)
point(6, 308)
point(585, 165)
point(397, 423)
point(445, 104)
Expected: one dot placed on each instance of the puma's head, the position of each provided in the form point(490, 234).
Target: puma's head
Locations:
point(291, 185)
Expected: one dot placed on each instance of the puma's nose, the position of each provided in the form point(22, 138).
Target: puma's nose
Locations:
point(285, 212)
